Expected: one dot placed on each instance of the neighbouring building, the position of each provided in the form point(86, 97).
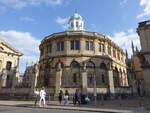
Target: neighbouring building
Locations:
point(9, 64)
point(80, 59)
point(143, 31)
point(134, 70)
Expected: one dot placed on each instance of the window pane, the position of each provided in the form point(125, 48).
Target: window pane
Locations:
point(77, 45)
point(49, 48)
point(103, 47)
point(100, 49)
point(91, 45)
point(87, 45)
point(72, 45)
point(103, 79)
point(77, 24)
point(62, 46)
point(75, 78)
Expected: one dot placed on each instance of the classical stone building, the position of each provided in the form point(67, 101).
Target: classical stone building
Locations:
point(80, 59)
point(11, 82)
point(143, 31)
point(9, 63)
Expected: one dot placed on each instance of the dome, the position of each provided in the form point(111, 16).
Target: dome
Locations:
point(76, 16)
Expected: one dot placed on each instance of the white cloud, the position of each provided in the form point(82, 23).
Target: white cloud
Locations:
point(146, 10)
point(124, 39)
point(62, 21)
point(123, 2)
point(27, 19)
point(19, 4)
point(25, 43)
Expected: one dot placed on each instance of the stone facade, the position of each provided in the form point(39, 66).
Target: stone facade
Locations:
point(143, 31)
point(9, 63)
point(134, 70)
point(78, 59)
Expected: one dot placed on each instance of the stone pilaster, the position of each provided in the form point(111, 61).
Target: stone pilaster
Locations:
point(111, 81)
point(82, 45)
point(58, 81)
point(84, 82)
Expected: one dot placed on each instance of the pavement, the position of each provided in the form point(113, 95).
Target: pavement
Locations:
point(104, 107)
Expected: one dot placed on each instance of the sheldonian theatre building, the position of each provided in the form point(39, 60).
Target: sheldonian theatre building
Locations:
point(80, 59)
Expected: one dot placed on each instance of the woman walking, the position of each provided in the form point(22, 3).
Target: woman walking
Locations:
point(66, 97)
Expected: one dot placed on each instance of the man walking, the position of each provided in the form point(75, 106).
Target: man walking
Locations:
point(77, 97)
point(42, 97)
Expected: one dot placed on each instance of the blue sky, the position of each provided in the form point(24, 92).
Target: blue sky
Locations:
point(24, 23)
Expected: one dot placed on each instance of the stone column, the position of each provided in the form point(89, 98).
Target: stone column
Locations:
point(111, 81)
point(84, 81)
point(58, 81)
point(96, 46)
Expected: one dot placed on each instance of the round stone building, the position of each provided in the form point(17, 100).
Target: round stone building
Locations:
point(79, 59)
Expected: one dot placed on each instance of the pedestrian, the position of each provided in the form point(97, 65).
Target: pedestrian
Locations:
point(60, 96)
point(42, 97)
point(66, 97)
point(77, 97)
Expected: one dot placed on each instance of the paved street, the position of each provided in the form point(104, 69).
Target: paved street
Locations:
point(8, 109)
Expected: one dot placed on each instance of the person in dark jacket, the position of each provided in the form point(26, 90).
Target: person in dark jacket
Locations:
point(60, 97)
point(77, 97)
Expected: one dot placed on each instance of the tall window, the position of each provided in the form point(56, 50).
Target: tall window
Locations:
point(72, 24)
point(89, 45)
point(75, 45)
point(118, 55)
point(8, 65)
point(90, 80)
point(114, 53)
point(60, 46)
point(100, 48)
point(77, 24)
point(75, 78)
point(49, 48)
point(103, 47)
point(103, 78)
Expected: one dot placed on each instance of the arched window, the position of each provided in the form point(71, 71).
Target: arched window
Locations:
point(8, 65)
point(90, 64)
point(103, 66)
point(90, 80)
point(116, 77)
point(74, 64)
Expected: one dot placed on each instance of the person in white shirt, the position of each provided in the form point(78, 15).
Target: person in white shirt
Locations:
point(42, 96)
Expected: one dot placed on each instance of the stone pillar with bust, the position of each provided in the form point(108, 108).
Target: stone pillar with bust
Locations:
point(110, 79)
point(58, 79)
